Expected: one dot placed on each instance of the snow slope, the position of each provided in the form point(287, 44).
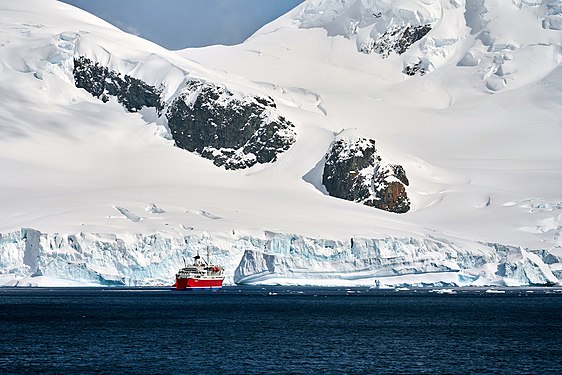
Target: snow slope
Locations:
point(479, 135)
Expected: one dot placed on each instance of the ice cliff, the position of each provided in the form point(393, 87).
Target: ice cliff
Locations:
point(28, 256)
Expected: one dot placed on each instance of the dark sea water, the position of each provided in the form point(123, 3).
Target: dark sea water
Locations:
point(280, 330)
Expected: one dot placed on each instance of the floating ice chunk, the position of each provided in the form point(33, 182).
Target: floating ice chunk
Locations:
point(495, 291)
point(443, 291)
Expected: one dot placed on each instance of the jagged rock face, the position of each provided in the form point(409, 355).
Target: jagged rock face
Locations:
point(355, 172)
point(377, 26)
point(419, 67)
point(101, 82)
point(399, 172)
point(233, 130)
point(399, 39)
point(390, 195)
point(349, 169)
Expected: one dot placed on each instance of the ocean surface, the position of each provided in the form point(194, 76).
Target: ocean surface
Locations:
point(281, 330)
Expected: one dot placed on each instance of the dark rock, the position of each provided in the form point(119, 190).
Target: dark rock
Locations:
point(343, 174)
point(399, 39)
point(389, 195)
point(235, 131)
point(412, 69)
point(354, 171)
point(399, 172)
point(101, 82)
point(268, 102)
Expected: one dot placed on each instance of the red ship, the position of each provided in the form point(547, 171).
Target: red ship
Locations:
point(201, 275)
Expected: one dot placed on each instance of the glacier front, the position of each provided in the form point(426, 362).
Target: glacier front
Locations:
point(31, 258)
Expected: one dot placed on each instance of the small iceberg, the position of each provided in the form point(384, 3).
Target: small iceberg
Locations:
point(443, 291)
point(495, 291)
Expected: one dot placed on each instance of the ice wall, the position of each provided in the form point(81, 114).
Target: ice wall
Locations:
point(109, 259)
point(390, 261)
point(275, 258)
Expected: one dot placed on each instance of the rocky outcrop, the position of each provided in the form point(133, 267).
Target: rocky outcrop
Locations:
point(354, 171)
point(382, 27)
point(399, 39)
point(420, 67)
point(349, 169)
point(389, 184)
point(233, 130)
point(102, 83)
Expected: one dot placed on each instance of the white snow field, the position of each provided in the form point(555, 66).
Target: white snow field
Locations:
point(91, 194)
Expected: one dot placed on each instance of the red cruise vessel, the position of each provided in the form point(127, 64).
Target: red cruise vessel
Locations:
point(201, 275)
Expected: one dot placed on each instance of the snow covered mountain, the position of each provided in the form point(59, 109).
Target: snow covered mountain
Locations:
point(349, 142)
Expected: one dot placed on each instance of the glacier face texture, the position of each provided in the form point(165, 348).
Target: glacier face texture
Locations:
point(105, 259)
point(277, 258)
point(390, 261)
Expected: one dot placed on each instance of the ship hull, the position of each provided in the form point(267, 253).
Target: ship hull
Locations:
point(193, 283)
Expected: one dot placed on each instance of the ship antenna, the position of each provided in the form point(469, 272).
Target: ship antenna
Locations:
point(184, 263)
point(208, 256)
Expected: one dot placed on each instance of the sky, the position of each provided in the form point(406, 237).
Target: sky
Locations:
point(177, 24)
